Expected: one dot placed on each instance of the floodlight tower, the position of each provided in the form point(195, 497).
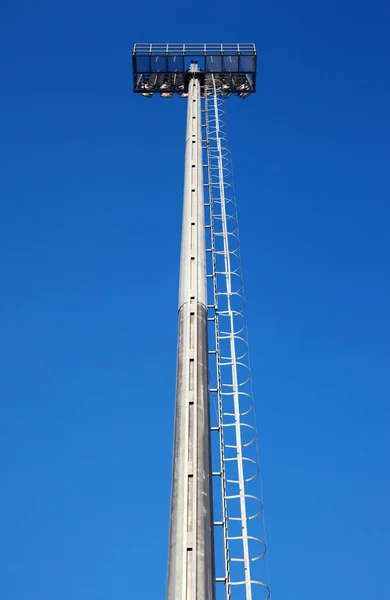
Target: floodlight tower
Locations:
point(212, 359)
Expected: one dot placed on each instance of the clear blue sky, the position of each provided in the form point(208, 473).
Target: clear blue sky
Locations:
point(90, 188)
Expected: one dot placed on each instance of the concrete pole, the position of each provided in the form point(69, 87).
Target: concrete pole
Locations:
point(191, 547)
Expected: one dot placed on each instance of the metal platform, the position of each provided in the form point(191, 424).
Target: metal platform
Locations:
point(164, 68)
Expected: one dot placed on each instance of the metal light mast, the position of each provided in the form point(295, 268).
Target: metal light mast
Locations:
point(212, 359)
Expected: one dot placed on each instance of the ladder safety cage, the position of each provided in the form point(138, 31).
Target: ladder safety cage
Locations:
point(235, 455)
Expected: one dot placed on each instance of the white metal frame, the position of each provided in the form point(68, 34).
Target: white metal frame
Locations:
point(241, 515)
